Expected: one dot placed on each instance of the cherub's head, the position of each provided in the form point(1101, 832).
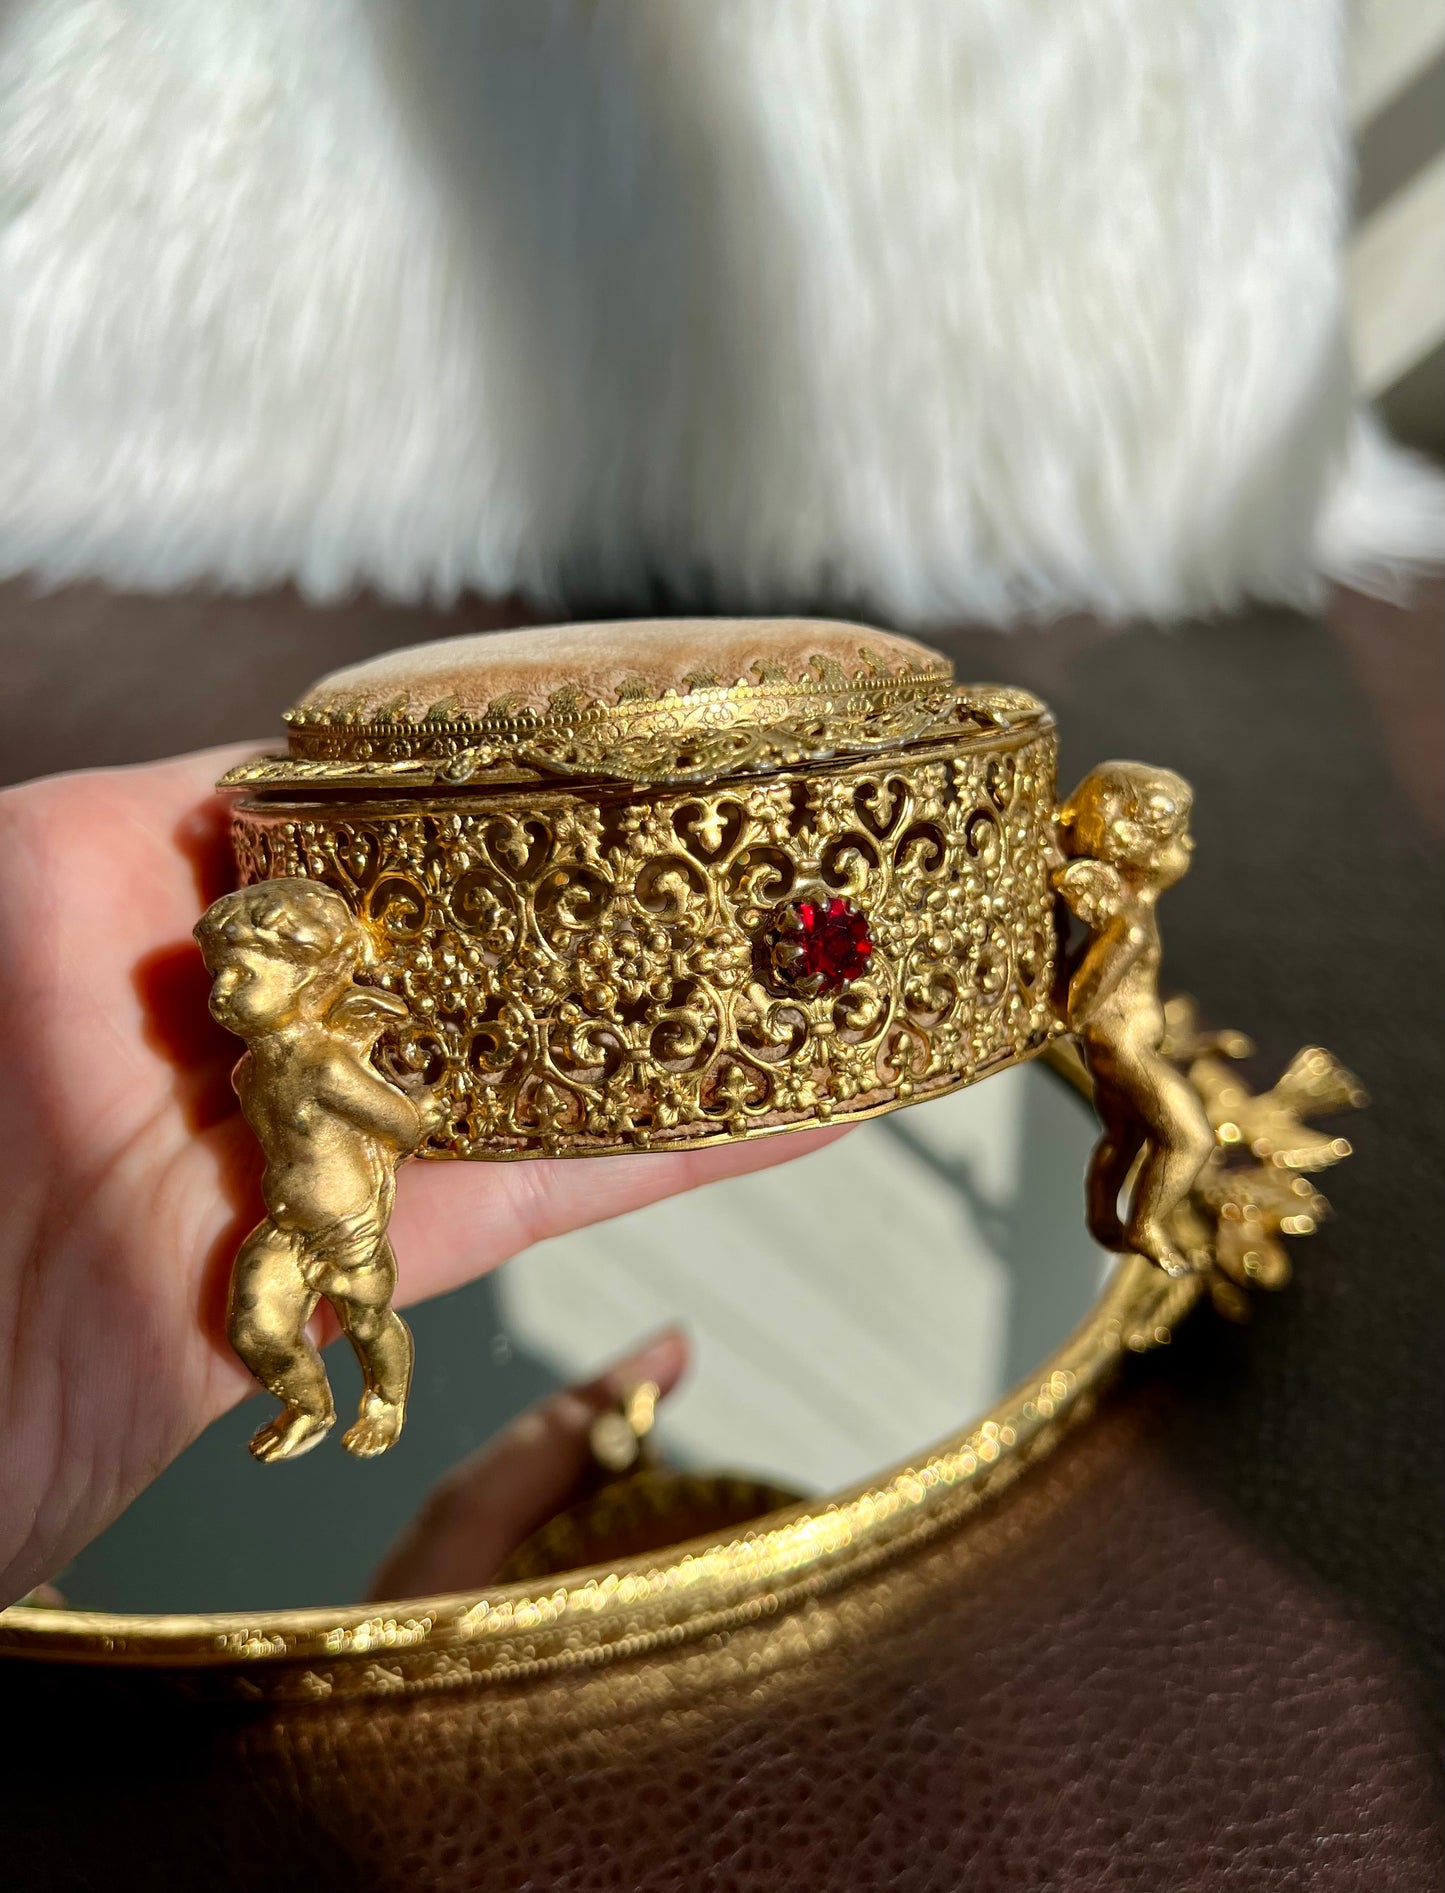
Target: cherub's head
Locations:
point(279, 951)
point(1134, 817)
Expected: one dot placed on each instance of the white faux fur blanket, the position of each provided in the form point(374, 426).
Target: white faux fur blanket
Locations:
point(935, 307)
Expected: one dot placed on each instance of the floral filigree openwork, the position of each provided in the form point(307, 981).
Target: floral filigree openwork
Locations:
point(581, 975)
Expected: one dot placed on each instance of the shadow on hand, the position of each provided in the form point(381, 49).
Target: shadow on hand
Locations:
point(173, 988)
point(172, 985)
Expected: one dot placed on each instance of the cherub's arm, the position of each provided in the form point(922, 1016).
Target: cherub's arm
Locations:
point(1110, 955)
point(353, 1091)
point(362, 1014)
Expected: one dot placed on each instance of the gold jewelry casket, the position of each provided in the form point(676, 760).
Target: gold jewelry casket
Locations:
point(651, 885)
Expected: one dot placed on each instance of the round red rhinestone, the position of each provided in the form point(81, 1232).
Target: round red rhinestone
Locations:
point(823, 945)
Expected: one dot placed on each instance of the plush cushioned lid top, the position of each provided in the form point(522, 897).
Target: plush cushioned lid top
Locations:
point(661, 700)
point(516, 672)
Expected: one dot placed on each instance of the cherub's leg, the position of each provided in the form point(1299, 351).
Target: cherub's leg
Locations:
point(383, 1345)
point(1109, 1166)
point(266, 1316)
point(1180, 1142)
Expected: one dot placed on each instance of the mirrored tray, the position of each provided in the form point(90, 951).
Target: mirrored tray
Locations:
point(840, 1313)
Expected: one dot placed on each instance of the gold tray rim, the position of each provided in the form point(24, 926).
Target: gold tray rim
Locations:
point(587, 1616)
point(593, 1615)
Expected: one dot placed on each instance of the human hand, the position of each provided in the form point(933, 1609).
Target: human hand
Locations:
point(129, 1178)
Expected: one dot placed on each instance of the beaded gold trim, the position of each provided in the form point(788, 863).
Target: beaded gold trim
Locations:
point(700, 736)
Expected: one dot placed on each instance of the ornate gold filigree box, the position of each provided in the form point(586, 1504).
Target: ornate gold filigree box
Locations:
point(653, 885)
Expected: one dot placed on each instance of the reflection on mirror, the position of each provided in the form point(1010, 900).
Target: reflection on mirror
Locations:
point(839, 1314)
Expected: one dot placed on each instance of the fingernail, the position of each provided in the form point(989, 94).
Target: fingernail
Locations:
point(661, 1357)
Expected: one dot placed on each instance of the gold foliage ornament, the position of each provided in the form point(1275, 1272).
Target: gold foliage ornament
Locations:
point(1254, 1190)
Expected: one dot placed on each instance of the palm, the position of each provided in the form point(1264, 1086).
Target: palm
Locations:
point(129, 1176)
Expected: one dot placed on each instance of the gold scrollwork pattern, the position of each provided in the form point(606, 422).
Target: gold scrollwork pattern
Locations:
point(585, 976)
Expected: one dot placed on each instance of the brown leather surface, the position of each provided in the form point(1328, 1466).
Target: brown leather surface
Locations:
point(1199, 1650)
point(1095, 1688)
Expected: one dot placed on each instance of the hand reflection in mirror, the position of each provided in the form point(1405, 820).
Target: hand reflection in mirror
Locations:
point(492, 1501)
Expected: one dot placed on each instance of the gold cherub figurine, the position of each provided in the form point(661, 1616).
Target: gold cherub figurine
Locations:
point(1126, 828)
point(283, 955)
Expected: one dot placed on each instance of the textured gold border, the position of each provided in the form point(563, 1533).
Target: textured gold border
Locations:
point(590, 1617)
point(709, 735)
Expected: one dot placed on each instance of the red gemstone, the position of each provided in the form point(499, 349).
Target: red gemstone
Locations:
point(830, 941)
